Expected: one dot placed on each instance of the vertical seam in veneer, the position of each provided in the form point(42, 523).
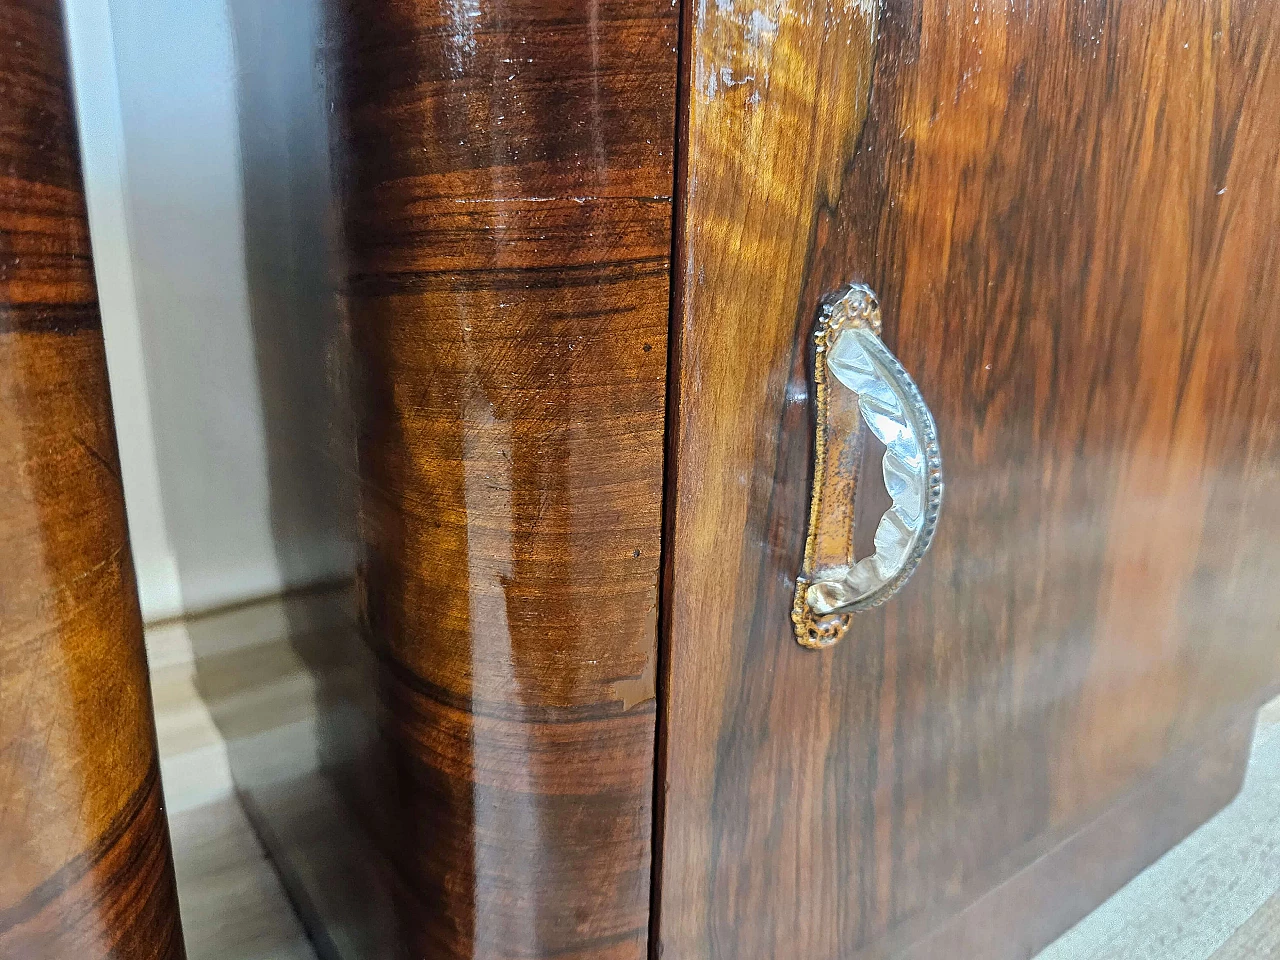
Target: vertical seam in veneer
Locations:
point(679, 173)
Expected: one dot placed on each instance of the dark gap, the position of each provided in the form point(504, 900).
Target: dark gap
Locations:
point(871, 499)
point(671, 443)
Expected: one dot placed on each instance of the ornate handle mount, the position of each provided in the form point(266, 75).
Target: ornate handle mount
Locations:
point(859, 385)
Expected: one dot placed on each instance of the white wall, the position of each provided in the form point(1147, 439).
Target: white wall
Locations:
point(209, 211)
point(102, 144)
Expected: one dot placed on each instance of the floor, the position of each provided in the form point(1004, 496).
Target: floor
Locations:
point(1216, 896)
point(233, 907)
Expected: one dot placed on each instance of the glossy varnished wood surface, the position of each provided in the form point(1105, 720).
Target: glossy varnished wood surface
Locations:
point(508, 215)
point(1069, 212)
point(85, 867)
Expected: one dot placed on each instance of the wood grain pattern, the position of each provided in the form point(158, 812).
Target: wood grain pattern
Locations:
point(1069, 214)
point(508, 203)
point(85, 867)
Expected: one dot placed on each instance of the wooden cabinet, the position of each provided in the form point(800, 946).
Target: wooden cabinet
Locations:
point(85, 867)
point(1069, 214)
point(588, 249)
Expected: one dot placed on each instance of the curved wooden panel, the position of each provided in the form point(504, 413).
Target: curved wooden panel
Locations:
point(85, 868)
point(1069, 214)
point(509, 218)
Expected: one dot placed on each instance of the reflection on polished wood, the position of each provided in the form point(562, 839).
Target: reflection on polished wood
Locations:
point(1069, 213)
point(508, 214)
point(85, 868)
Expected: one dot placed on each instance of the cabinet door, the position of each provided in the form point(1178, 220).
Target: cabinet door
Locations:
point(1069, 212)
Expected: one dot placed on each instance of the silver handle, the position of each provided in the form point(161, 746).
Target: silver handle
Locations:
point(854, 371)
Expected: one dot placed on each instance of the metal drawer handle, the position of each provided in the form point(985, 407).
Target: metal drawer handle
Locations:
point(860, 385)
